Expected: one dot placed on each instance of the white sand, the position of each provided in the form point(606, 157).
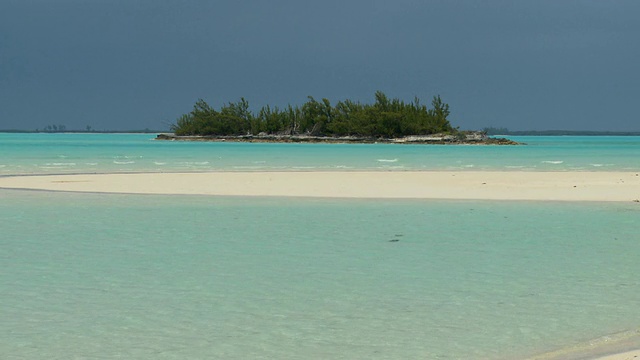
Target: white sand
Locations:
point(631, 355)
point(555, 186)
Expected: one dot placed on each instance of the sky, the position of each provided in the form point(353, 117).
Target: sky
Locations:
point(136, 64)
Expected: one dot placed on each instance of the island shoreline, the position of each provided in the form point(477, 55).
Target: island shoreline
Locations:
point(464, 138)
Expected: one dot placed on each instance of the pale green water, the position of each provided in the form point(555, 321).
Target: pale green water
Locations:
point(178, 277)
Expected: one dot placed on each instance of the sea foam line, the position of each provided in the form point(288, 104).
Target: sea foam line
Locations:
point(191, 163)
point(60, 164)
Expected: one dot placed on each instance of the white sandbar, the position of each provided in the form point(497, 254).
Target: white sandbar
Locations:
point(485, 185)
point(630, 355)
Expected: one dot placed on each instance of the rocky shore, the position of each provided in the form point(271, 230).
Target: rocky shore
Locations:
point(470, 138)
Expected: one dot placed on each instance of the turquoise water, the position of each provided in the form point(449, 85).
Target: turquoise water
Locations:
point(182, 277)
point(73, 153)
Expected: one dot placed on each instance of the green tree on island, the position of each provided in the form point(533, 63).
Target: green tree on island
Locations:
point(386, 118)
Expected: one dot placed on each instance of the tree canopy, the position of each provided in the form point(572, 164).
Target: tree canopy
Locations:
point(386, 117)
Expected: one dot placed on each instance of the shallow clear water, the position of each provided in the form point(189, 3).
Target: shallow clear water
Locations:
point(175, 277)
point(72, 153)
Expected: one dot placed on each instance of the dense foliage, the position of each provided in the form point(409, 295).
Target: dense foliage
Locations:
point(384, 118)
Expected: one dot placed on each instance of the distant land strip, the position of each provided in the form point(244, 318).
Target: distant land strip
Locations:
point(507, 132)
point(37, 131)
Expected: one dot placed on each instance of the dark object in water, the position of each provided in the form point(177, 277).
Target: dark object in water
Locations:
point(394, 240)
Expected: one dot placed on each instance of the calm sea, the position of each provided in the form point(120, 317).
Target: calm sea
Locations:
point(72, 153)
point(180, 277)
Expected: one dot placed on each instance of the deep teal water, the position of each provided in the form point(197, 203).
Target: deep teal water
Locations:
point(175, 277)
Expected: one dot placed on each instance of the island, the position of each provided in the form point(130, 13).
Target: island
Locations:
point(385, 121)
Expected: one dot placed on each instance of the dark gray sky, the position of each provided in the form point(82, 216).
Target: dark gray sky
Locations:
point(127, 64)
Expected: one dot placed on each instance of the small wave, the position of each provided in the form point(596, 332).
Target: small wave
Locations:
point(92, 164)
point(259, 162)
point(553, 162)
point(62, 156)
point(1, 166)
point(159, 163)
point(123, 162)
point(387, 160)
point(515, 166)
point(468, 166)
point(247, 167)
point(601, 165)
point(195, 163)
point(127, 157)
point(343, 167)
point(60, 164)
point(303, 167)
